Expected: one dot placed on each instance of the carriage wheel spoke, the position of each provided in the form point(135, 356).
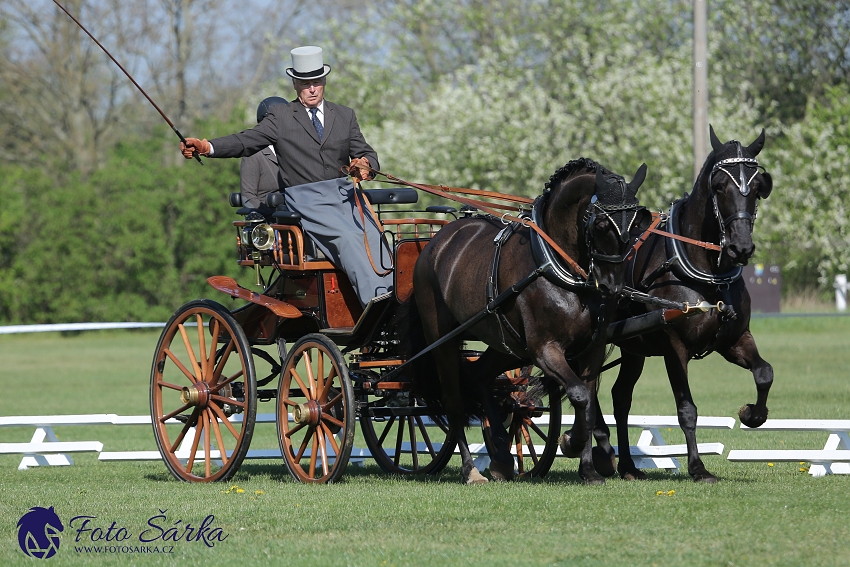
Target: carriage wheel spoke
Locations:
point(398, 440)
point(295, 429)
point(182, 408)
point(230, 401)
point(202, 346)
point(194, 450)
point(320, 374)
point(221, 385)
point(225, 421)
point(332, 403)
point(330, 380)
point(301, 385)
point(330, 418)
point(190, 351)
point(179, 365)
point(331, 438)
point(303, 446)
point(210, 370)
point(320, 433)
point(218, 439)
point(536, 429)
point(313, 452)
point(425, 437)
point(530, 443)
point(386, 430)
point(186, 427)
point(207, 444)
point(225, 355)
point(311, 380)
point(162, 384)
point(413, 451)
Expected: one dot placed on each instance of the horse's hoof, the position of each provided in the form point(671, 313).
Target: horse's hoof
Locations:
point(750, 417)
point(502, 471)
point(594, 480)
point(705, 477)
point(475, 477)
point(566, 447)
point(604, 463)
point(632, 474)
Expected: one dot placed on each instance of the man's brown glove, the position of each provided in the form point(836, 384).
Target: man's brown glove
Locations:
point(193, 145)
point(360, 170)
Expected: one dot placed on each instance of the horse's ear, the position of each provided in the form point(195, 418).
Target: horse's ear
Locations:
point(764, 191)
point(715, 141)
point(757, 146)
point(638, 179)
point(600, 180)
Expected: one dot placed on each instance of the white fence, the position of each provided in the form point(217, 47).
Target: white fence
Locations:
point(44, 448)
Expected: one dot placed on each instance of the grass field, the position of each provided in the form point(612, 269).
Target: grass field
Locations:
point(755, 515)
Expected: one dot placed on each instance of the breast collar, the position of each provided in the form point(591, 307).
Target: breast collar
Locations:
point(555, 271)
point(681, 264)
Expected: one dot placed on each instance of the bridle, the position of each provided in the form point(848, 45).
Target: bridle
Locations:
point(743, 185)
point(596, 208)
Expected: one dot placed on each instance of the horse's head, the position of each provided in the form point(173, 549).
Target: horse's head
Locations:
point(736, 182)
point(612, 212)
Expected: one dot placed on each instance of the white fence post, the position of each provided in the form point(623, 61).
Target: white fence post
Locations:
point(840, 286)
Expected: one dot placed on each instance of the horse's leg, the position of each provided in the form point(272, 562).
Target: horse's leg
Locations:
point(483, 372)
point(631, 368)
point(578, 442)
point(470, 474)
point(745, 354)
point(677, 373)
point(604, 458)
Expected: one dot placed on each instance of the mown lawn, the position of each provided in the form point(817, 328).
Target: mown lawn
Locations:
point(755, 515)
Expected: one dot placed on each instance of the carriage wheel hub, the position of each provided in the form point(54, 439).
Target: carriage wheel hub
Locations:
point(309, 413)
point(198, 394)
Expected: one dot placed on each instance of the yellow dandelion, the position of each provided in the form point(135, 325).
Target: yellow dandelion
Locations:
point(803, 469)
point(240, 490)
point(259, 492)
point(659, 493)
point(770, 464)
point(802, 462)
point(671, 492)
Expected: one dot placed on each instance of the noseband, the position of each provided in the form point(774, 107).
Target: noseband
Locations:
point(743, 185)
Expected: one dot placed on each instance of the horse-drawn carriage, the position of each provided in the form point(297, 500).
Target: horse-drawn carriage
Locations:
point(206, 385)
point(336, 362)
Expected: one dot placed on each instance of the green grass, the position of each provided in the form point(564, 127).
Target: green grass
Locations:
point(755, 515)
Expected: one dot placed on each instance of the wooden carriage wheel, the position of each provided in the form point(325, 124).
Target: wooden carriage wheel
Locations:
point(203, 393)
point(401, 436)
point(532, 417)
point(315, 393)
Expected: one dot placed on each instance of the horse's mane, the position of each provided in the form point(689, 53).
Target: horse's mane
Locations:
point(571, 167)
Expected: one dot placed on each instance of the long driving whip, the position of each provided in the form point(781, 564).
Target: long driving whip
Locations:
point(150, 100)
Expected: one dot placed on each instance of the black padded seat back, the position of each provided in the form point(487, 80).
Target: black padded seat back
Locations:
point(400, 196)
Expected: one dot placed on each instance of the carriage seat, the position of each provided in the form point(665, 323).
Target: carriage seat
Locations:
point(399, 196)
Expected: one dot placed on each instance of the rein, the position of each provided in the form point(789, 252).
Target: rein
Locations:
point(489, 208)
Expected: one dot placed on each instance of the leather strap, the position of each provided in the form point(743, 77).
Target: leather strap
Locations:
point(489, 208)
point(357, 197)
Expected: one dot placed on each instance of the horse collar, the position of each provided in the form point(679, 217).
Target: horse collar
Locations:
point(553, 269)
point(682, 266)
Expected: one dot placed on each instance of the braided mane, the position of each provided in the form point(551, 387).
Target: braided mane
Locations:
point(571, 167)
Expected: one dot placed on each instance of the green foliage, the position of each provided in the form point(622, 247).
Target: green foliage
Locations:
point(806, 227)
point(132, 242)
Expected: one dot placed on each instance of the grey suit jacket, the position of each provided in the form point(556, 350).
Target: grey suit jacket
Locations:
point(259, 175)
point(303, 158)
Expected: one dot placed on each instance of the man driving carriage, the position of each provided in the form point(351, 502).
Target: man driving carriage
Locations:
point(316, 142)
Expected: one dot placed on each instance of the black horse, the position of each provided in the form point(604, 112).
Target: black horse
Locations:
point(721, 208)
point(557, 322)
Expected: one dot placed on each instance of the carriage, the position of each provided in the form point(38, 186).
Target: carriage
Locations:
point(306, 345)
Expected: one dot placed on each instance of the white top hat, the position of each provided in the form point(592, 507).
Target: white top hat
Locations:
point(307, 63)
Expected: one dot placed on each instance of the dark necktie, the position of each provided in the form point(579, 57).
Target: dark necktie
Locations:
point(317, 124)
